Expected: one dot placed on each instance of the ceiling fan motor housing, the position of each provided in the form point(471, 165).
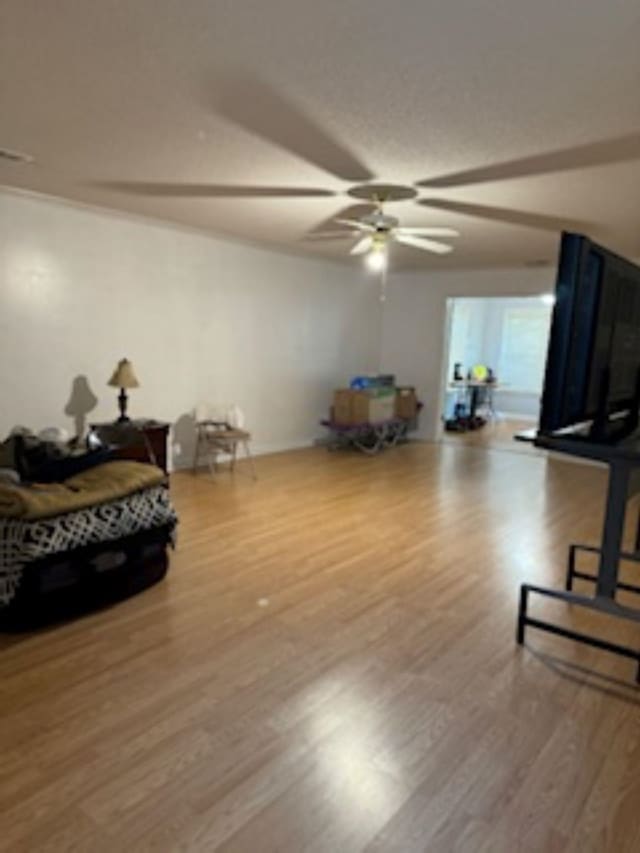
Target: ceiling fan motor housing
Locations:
point(380, 221)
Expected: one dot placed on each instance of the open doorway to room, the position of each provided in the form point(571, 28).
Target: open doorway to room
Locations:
point(495, 368)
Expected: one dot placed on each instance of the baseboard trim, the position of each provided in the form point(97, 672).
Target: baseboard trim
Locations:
point(257, 449)
point(517, 416)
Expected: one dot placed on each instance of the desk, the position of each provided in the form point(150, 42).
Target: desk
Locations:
point(472, 391)
point(473, 388)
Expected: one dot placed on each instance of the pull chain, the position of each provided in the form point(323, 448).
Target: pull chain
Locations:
point(382, 301)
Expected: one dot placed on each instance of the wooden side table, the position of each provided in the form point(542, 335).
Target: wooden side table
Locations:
point(151, 446)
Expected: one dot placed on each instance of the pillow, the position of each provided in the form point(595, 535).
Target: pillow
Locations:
point(37, 461)
point(58, 470)
point(34, 457)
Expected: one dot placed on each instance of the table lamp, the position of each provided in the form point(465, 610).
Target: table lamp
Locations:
point(123, 378)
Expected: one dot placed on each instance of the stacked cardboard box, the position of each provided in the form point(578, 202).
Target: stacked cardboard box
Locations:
point(349, 407)
point(382, 404)
point(366, 406)
point(406, 403)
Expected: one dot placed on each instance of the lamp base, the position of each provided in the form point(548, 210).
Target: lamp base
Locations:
point(122, 404)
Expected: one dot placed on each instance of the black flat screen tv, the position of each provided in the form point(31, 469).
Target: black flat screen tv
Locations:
point(592, 377)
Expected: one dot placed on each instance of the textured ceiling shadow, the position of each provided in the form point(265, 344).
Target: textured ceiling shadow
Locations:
point(152, 189)
point(511, 217)
point(605, 152)
point(607, 684)
point(255, 106)
point(329, 236)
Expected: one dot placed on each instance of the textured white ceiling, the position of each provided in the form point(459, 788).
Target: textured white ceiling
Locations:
point(110, 91)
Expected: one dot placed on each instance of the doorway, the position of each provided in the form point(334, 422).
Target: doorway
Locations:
point(497, 349)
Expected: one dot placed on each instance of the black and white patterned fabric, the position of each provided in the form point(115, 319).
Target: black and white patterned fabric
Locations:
point(23, 541)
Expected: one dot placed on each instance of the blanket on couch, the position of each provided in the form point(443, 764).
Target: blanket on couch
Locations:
point(23, 540)
point(102, 484)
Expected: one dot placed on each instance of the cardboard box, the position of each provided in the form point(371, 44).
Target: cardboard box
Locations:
point(359, 407)
point(372, 405)
point(382, 406)
point(342, 406)
point(406, 403)
point(350, 407)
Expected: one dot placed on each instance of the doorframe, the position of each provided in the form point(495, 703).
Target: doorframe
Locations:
point(439, 431)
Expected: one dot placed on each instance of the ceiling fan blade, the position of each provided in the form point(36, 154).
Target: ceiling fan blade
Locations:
point(354, 223)
point(167, 190)
point(510, 217)
point(353, 211)
point(253, 105)
point(423, 243)
point(428, 232)
point(605, 152)
point(363, 245)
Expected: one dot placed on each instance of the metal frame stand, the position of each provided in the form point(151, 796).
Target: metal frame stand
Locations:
point(624, 465)
point(368, 438)
point(573, 572)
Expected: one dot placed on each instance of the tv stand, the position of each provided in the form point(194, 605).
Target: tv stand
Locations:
point(623, 460)
point(628, 556)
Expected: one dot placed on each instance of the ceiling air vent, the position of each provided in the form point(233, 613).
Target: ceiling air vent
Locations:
point(14, 156)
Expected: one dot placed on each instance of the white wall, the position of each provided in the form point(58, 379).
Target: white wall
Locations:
point(200, 318)
point(415, 318)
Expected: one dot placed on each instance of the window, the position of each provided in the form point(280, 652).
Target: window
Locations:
point(523, 349)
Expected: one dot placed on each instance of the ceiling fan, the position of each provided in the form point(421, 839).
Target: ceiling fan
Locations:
point(376, 231)
point(250, 103)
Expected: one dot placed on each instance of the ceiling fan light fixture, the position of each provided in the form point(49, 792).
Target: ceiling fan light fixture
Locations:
point(376, 260)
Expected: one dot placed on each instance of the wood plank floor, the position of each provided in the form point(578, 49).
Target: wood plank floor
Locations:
point(330, 666)
point(497, 435)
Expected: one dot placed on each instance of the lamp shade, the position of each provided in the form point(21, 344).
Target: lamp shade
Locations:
point(123, 376)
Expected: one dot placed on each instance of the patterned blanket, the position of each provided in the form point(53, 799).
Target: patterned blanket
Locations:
point(23, 540)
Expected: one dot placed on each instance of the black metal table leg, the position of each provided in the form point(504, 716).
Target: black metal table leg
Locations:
point(525, 620)
point(573, 572)
point(571, 568)
point(522, 614)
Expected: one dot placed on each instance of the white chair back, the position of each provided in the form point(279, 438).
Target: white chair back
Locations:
point(235, 417)
point(210, 412)
point(230, 414)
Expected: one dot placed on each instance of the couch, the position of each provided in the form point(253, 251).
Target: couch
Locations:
point(92, 539)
